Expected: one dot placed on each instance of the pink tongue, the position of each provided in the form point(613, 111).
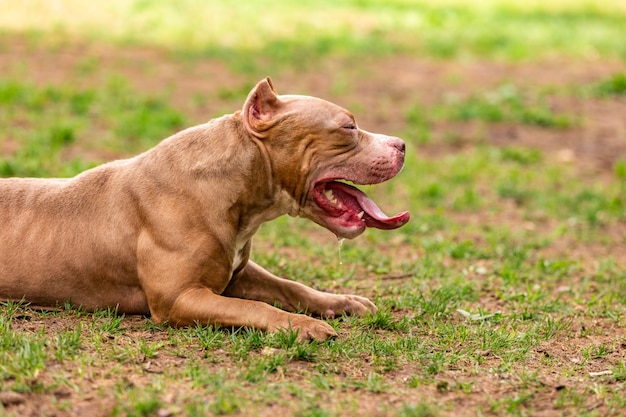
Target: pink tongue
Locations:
point(374, 216)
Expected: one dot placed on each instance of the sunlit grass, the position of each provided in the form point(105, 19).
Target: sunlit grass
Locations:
point(292, 32)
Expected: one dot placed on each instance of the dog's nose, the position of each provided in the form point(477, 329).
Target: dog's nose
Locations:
point(398, 144)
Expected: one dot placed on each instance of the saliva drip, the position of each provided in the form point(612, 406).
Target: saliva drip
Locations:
point(339, 246)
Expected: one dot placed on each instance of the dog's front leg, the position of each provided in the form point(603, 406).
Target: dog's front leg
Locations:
point(201, 305)
point(255, 283)
point(182, 290)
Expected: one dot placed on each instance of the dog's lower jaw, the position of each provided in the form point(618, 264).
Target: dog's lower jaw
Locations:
point(342, 232)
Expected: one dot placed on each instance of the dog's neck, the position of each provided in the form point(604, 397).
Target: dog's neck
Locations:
point(240, 161)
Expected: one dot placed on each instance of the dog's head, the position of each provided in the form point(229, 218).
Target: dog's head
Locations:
point(314, 148)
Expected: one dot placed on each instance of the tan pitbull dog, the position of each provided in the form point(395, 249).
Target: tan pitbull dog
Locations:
point(168, 232)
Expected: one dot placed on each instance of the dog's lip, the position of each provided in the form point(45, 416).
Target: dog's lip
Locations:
point(350, 207)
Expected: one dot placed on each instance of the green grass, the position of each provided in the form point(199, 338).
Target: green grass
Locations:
point(502, 296)
point(295, 33)
point(49, 120)
point(505, 104)
point(614, 86)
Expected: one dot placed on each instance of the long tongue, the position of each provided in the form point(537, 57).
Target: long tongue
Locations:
point(373, 216)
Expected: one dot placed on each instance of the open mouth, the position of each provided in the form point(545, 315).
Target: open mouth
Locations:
point(348, 207)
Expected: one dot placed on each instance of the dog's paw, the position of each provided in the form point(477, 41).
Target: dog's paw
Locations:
point(307, 327)
point(338, 304)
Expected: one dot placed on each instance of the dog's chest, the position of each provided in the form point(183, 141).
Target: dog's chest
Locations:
point(241, 254)
point(282, 203)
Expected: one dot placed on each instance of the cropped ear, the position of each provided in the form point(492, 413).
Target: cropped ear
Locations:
point(261, 108)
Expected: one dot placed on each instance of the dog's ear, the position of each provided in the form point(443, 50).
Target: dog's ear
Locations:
point(261, 108)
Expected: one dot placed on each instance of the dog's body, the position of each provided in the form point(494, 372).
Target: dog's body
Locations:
point(168, 232)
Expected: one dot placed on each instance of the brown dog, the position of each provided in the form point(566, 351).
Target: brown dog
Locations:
point(168, 232)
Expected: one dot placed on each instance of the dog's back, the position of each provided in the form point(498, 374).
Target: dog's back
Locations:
point(54, 239)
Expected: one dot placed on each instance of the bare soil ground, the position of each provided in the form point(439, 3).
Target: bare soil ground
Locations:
point(380, 90)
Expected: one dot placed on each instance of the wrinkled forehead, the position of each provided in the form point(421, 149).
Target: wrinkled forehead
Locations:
point(317, 109)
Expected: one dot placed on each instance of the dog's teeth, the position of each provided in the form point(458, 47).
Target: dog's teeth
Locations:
point(360, 215)
point(330, 196)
